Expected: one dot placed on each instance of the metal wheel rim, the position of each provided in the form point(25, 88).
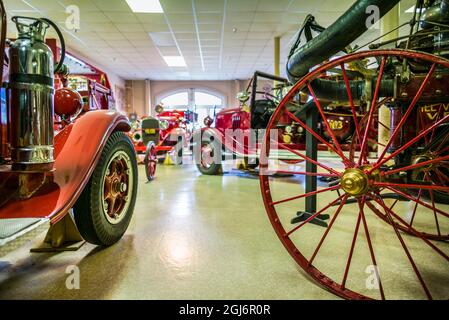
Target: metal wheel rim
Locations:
point(122, 195)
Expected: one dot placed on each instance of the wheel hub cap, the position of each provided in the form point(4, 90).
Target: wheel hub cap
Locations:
point(355, 182)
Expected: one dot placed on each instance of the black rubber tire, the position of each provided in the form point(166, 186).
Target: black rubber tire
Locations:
point(89, 216)
point(214, 169)
point(179, 150)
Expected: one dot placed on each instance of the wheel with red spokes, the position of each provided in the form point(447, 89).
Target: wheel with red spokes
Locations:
point(335, 229)
point(150, 161)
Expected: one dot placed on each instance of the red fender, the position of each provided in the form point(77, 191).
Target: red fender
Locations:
point(77, 151)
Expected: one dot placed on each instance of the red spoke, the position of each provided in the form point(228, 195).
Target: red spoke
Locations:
point(442, 143)
point(404, 246)
point(326, 123)
point(415, 166)
point(417, 200)
point(440, 175)
point(288, 234)
point(376, 142)
point(370, 245)
point(426, 176)
point(434, 213)
point(283, 146)
point(371, 112)
point(311, 174)
point(351, 101)
point(306, 195)
point(409, 110)
point(383, 125)
point(410, 186)
point(112, 206)
point(415, 209)
point(409, 143)
point(394, 204)
point(351, 250)
point(417, 233)
point(444, 165)
point(323, 238)
point(308, 129)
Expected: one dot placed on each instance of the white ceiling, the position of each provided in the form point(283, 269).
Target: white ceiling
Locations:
point(201, 30)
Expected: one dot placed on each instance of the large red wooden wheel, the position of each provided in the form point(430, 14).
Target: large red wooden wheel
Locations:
point(380, 220)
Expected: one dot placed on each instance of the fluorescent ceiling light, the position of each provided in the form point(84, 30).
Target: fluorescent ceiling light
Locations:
point(412, 10)
point(175, 61)
point(145, 6)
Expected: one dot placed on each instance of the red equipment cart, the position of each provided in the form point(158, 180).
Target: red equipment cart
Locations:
point(378, 227)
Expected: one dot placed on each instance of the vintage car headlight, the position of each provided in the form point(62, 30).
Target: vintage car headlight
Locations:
point(288, 129)
point(164, 124)
point(137, 136)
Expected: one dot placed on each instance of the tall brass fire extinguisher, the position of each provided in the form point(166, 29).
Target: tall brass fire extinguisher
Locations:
point(31, 72)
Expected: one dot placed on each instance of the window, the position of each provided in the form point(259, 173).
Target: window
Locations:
point(201, 102)
point(206, 99)
point(178, 100)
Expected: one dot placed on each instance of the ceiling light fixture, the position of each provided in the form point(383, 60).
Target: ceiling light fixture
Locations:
point(145, 6)
point(175, 61)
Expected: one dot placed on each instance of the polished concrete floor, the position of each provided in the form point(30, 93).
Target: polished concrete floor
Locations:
point(192, 237)
point(202, 237)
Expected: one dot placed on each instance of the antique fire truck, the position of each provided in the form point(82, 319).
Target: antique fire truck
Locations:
point(238, 132)
point(145, 134)
point(175, 131)
point(168, 133)
point(377, 227)
point(59, 158)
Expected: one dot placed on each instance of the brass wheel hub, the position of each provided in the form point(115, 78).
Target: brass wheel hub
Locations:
point(355, 182)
